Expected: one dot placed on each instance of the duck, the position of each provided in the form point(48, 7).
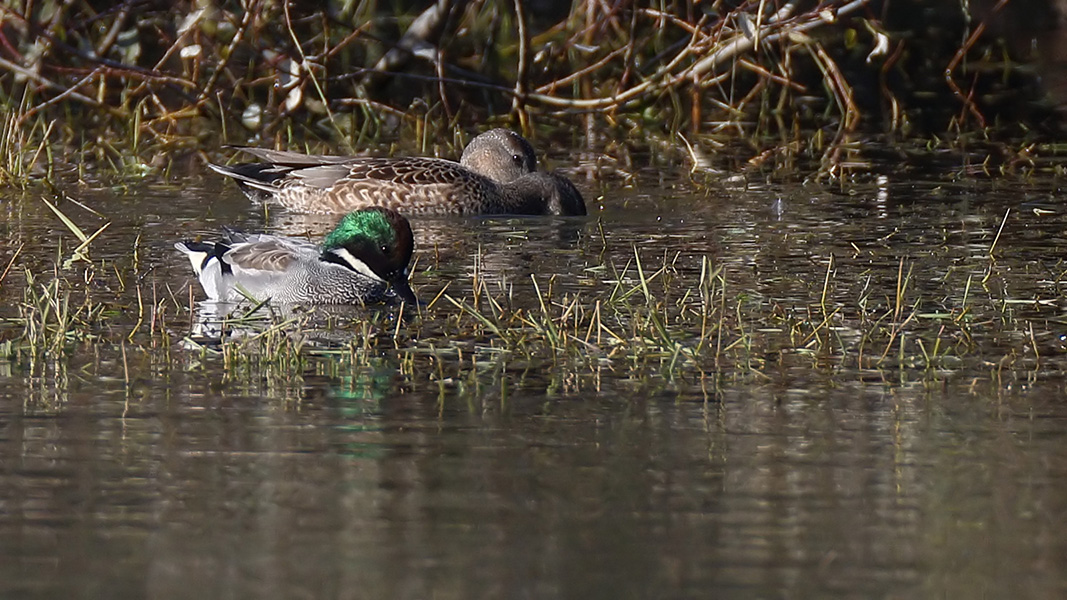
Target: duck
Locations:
point(496, 175)
point(364, 259)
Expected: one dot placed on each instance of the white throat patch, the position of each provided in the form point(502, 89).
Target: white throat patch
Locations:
point(357, 265)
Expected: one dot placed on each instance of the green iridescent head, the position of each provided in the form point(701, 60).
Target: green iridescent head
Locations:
point(379, 239)
point(370, 224)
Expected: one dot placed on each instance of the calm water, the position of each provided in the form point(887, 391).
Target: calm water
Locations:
point(801, 477)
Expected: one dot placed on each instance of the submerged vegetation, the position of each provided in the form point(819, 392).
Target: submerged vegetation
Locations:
point(653, 315)
point(130, 88)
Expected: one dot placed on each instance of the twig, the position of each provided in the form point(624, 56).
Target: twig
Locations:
point(68, 93)
point(11, 263)
point(665, 78)
point(967, 100)
point(996, 239)
point(238, 37)
point(37, 78)
point(113, 33)
point(518, 101)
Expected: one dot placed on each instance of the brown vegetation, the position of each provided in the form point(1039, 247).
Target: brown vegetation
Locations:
point(142, 75)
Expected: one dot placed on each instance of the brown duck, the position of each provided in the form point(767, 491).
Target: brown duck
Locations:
point(497, 175)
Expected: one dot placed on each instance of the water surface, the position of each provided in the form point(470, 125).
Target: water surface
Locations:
point(135, 466)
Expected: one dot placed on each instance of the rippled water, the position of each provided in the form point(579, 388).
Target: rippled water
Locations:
point(145, 469)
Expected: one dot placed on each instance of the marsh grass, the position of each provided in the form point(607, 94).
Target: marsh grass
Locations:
point(126, 89)
point(656, 321)
point(25, 148)
point(642, 315)
point(637, 315)
point(59, 310)
point(53, 320)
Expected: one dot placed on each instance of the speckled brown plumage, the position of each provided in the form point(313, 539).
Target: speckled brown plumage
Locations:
point(497, 176)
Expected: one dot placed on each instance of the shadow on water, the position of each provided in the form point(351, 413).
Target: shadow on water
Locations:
point(377, 457)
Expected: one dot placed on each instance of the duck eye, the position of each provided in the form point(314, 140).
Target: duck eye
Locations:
point(385, 249)
point(517, 159)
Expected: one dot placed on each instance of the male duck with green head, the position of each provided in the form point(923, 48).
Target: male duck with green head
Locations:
point(358, 262)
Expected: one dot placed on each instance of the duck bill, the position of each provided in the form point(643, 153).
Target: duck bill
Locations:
point(402, 289)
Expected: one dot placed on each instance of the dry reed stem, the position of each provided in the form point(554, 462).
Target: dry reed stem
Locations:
point(968, 100)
